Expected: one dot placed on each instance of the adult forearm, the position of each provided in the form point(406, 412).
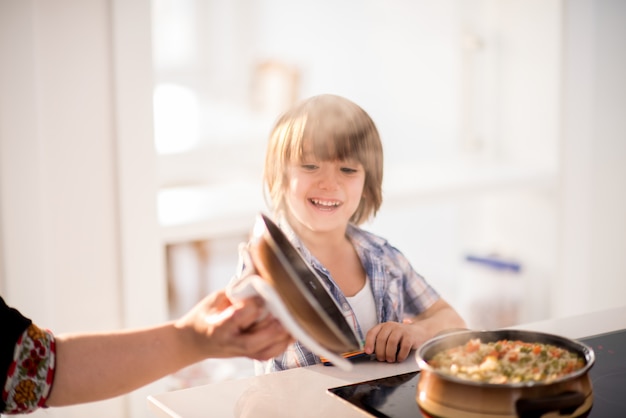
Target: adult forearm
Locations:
point(98, 366)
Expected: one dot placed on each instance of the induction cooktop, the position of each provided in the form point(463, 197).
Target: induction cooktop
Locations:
point(394, 397)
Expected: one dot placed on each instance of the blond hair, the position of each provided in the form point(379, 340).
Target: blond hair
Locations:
point(335, 129)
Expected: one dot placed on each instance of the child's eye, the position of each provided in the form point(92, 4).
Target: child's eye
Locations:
point(348, 170)
point(308, 167)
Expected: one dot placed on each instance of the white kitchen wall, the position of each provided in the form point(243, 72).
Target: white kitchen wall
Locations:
point(592, 225)
point(77, 252)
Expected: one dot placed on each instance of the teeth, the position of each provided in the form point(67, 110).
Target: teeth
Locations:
point(325, 203)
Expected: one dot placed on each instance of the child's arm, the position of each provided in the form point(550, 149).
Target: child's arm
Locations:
point(393, 341)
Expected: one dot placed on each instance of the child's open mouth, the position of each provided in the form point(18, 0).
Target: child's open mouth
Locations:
point(325, 204)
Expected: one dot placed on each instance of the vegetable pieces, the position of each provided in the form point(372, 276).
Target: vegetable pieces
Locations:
point(507, 361)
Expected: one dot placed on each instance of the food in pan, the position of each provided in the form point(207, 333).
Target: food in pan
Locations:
point(507, 361)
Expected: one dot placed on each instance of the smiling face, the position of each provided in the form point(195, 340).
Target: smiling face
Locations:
point(324, 160)
point(323, 196)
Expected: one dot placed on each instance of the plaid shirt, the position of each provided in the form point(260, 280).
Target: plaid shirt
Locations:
point(399, 292)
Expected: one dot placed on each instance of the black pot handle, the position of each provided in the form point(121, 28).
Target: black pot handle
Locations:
point(565, 403)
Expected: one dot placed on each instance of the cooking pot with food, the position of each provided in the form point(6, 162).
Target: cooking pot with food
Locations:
point(451, 393)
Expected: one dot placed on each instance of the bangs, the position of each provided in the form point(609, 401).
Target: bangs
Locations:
point(332, 146)
point(334, 136)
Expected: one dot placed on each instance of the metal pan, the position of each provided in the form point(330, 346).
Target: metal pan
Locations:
point(300, 288)
point(443, 395)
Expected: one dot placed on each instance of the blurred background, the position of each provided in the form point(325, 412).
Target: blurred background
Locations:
point(132, 138)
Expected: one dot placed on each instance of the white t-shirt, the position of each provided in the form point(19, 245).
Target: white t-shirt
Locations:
point(364, 307)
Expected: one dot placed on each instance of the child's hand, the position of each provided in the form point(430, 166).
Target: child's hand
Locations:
point(393, 341)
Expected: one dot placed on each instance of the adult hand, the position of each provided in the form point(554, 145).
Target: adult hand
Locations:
point(222, 328)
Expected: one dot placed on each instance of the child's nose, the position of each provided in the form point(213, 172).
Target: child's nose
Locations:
point(328, 180)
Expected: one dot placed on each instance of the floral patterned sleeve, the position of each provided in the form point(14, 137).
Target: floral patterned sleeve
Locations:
point(31, 373)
